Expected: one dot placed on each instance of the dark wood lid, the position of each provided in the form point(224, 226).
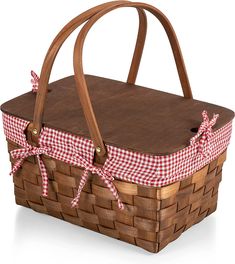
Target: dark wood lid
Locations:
point(129, 116)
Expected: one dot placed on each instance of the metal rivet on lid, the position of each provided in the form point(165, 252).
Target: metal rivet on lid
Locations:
point(98, 149)
point(34, 131)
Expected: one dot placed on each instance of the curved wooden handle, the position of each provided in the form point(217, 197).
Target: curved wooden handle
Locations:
point(79, 74)
point(35, 127)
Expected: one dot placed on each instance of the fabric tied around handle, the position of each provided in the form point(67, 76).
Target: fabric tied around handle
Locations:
point(205, 132)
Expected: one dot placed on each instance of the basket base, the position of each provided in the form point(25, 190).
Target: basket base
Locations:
point(152, 218)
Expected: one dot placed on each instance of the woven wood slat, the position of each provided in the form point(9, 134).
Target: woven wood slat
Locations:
point(152, 218)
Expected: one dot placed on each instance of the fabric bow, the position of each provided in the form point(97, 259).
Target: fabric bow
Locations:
point(103, 173)
point(34, 81)
point(23, 153)
point(205, 131)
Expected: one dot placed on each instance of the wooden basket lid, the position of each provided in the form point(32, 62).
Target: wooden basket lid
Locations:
point(129, 116)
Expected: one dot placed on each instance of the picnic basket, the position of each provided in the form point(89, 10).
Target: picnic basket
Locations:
point(130, 162)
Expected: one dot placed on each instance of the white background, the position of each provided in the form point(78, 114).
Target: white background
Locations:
point(206, 32)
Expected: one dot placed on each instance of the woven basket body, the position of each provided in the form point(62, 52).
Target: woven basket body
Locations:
point(152, 173)
point(153, 217)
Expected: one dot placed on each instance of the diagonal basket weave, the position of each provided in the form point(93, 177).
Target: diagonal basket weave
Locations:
point(151, 175)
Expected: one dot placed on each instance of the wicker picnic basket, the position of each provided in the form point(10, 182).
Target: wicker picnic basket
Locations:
point(152, 173)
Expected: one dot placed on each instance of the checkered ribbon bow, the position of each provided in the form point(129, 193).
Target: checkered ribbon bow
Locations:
point(103, 173)
point(23, 153)
point(205, 132)
point(34, 81)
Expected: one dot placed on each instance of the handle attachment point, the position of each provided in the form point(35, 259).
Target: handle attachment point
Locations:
point(34, 131)
point(98, 150)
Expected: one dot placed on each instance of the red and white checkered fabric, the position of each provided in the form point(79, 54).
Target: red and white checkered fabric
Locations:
point(34, 81)
point(205, 132)
point(25, 152)
point(123, 164)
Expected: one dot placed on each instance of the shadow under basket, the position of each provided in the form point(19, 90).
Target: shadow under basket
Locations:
point(152, 218)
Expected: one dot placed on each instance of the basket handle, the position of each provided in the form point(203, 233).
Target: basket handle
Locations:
point(81, 82)
point(35, 127)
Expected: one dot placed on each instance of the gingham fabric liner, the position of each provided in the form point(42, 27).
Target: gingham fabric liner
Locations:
point(123, 164)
